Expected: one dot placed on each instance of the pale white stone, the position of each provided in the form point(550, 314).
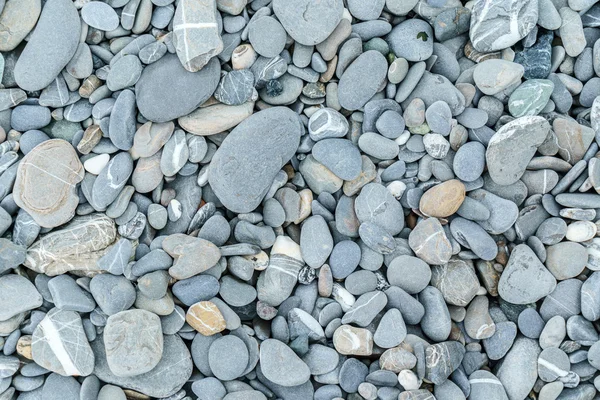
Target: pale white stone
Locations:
point(580, 231)
point(96, 164)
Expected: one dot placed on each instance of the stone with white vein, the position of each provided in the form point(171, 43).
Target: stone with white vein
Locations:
point(60, 345)
point(46, 189)
point(196, 33)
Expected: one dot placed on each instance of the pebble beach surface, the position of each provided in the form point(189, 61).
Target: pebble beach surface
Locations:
point(299, 199)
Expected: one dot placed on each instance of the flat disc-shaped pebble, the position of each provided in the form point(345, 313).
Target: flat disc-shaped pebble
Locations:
point(236, 87)
point(281, 365)
point(244, 166)
point(51, 46)
point(409, 273)
point(46, 182)
point(376, 204)
point(125, 72)
point(361, 80)
point(133, 341)
point(309, 22)
point(341, 156)
point(100, 15)
point(469, 161)
point(167, 91)
point(17, 295)
point(227, 357)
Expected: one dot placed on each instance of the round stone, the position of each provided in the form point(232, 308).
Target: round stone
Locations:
point(228, 357)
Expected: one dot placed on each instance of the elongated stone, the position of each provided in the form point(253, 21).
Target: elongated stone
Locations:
point(45, 188)
point(214, 119)
point(76, 247)
point(196, 33)
point(276, 283)
point(51, 46)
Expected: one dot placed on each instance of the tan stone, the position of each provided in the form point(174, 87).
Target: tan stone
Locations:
point(206, 318)
point(397, 359)
point(89, 85)
point(367, 174)
point(91, 137)
point(24, 347)
point(16, 21)
point(214, 119)
point(46, 184)
point(150, 138)
point(192, 255)
point(349, 340)
point(443, 200)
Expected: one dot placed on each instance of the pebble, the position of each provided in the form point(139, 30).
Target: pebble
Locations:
point(361, 80)
point(38, 174)
point(281, 365)
point(129, 353)
point(50, 47)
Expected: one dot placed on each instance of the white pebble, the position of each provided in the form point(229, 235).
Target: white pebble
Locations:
point(403, 138)
point(397, 188)
point(95, 165)
point(580, 231)
point(408, 380)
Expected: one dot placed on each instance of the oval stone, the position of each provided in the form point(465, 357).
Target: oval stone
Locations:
point(243, 168)
point(362, 79)
point(45, 188)
point(51, 46)
point(166, 90)
point(443, 200)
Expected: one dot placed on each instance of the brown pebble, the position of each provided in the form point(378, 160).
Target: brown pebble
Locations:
point(91, 137)
point(443, 200)
point(206, 318)
point(24, 347)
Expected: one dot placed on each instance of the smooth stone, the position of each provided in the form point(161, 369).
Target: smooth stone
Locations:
point(124, 73)
point(513, 146)
point(492, 26)
point(227, 357)
point(447, 277)
point(493, 76)
point(349, 340)
point(518, 372)
point(566, 260)
point(441, 360)
point(433, 87)
point(18, 295)
point(166, 379)
point(443, 200)
point(191, 255)
point(112, 293)
point(59, 344)
point(233, 172)
point(76, 247)
point(361, 80)
point(17, 20)
point(344, 258)
point(182, 89)
point(523, 266)
point(571, 32)
point(391, 330)
point(267, 36)
point(235, 88)
point(376, 204)
point(530, 97)
point(100, 15)
point(498, 345)
point(484, 384)
point(429, 242)
point(309, 22)
point(412, 40)
point(281, 365)
point(471, 235)
point(409, 273)
point(573, 139)
point(68, 296)
point(436, 323)
point(365, 309)
point(316, 242)
point(38, 173)
point(340, 156)
point(50, 47)
point(439, 117)
point(327, 123)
